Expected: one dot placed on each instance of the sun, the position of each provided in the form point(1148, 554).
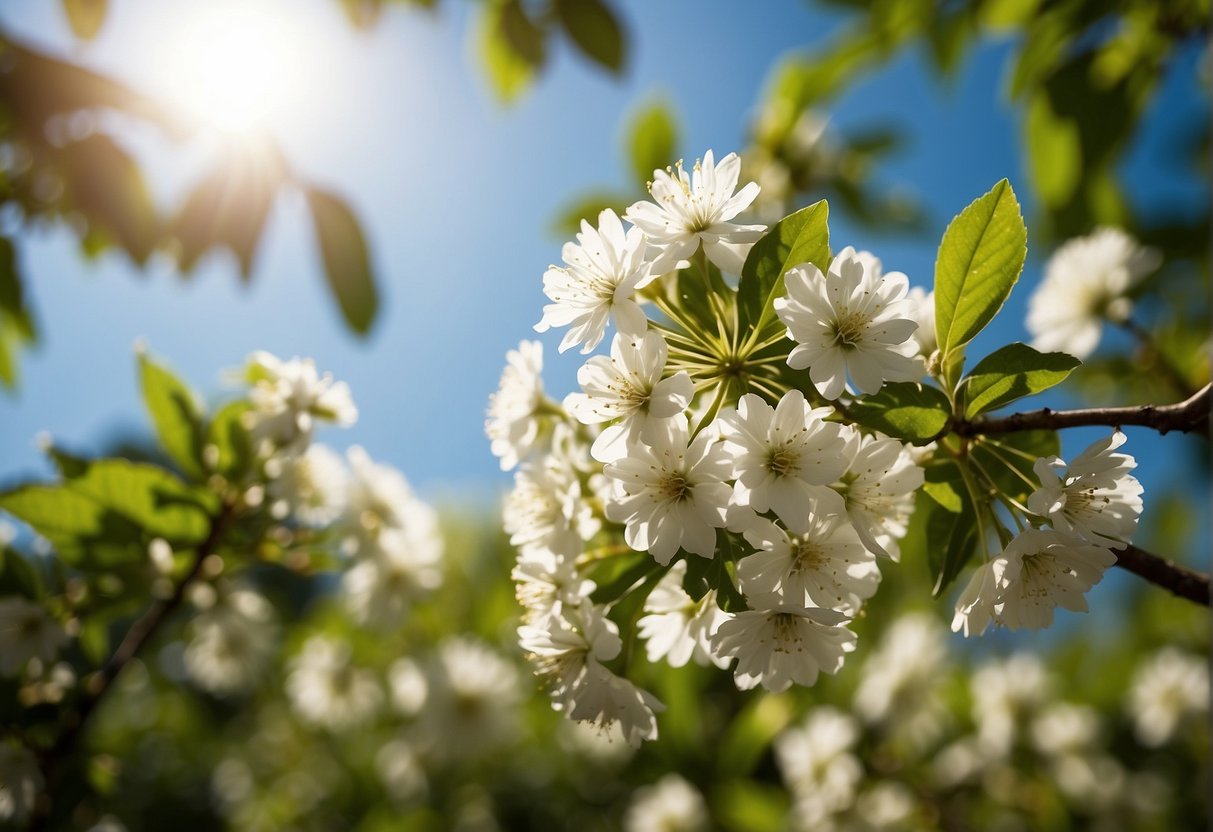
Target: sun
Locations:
point(237, 66)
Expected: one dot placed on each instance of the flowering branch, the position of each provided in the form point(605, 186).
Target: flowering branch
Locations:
point(1188, 416)
point(140, 633)
point(1181, 581)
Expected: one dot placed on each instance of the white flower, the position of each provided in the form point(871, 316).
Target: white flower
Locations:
point(289, 397)
point(783, 455)
point(400, 772)
point(899, 673)
point(20, 784)
point(567, 647)
point(27, 631)
point(879, 492)
point(231, 642)
point(1004, 693)
point(669, 805)
point(1095, 498)
point(975, 608)
point(471, 702)
point(922, 309)
point(817, 561)
point(784, 646)
point(605, 267)
point(513, 425)
point(698, 207)
point(613, 703)
point(817, 763)
point(851, 321)
point(561, 643)
point(1047, 569)
point(628, 386)
point(677, 627)
point(1168, 687)
point(379, 588)
point(380, 501)
point(308, 486)
point(1085, 283)
point(671, 496)
point(546, 510)
point(327, 689)
point(542, 579)
point(1063, 729)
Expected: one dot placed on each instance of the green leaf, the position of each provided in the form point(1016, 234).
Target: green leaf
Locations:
point(979, 260)
point(906, 410)
point(80, 529)
point(945, 486)
point(802, 237)
point(511, 47)
point(652, 141)
point(616, 576)
point(149, 496)
point(699, 576)
point(594, 28)
point(347, 263)
point(85, 17)
point(1011, 373)
point(175, 414)
point(17, 575)
point(1007, 460)
point(104, 184)
point(16, 322)
point(233, 448)
point(951, 536)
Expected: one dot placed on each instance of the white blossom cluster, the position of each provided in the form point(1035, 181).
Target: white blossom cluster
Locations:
point(365, 510)
point(1092, 506)
point(759, 485)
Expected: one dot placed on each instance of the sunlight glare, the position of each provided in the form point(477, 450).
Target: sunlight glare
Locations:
point(238, 65)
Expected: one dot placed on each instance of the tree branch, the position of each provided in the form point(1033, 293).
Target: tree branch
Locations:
point(1188, 416)
point(1179, 580)
point(140, 633)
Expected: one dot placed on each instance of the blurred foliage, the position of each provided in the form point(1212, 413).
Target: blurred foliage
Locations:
point(60, 164)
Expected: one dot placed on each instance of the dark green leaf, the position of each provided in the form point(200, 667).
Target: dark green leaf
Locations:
point(347, 263)
point(980, 259)
point(174, 413)
point(803, 237)
point(616, 576)
point(17, 575)
point(652, 141)
point(16, 322)
point(151, 497)
point(699, 576)
point(945, 486)
point(951, 537)
point(1007, 460)
point(594, 28)
point(1011, 373)
point(912, 412)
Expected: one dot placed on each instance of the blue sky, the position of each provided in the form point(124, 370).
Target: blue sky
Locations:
point(457, 194)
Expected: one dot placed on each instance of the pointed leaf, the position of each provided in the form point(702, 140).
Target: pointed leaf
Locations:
point(980, 259)
point(175, 414)
point(652, 141)
point(594, 28)
point(1011, 373)
point(803, 237)
point(347, 263)
point(912, 412)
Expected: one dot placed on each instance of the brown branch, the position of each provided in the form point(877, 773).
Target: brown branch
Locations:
point(1188, 416)
point(100, 683)
point(1179, 580)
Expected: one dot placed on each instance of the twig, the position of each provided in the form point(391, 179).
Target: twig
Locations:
point(1179, 580)
point(140, 633)
point(1188, 416)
